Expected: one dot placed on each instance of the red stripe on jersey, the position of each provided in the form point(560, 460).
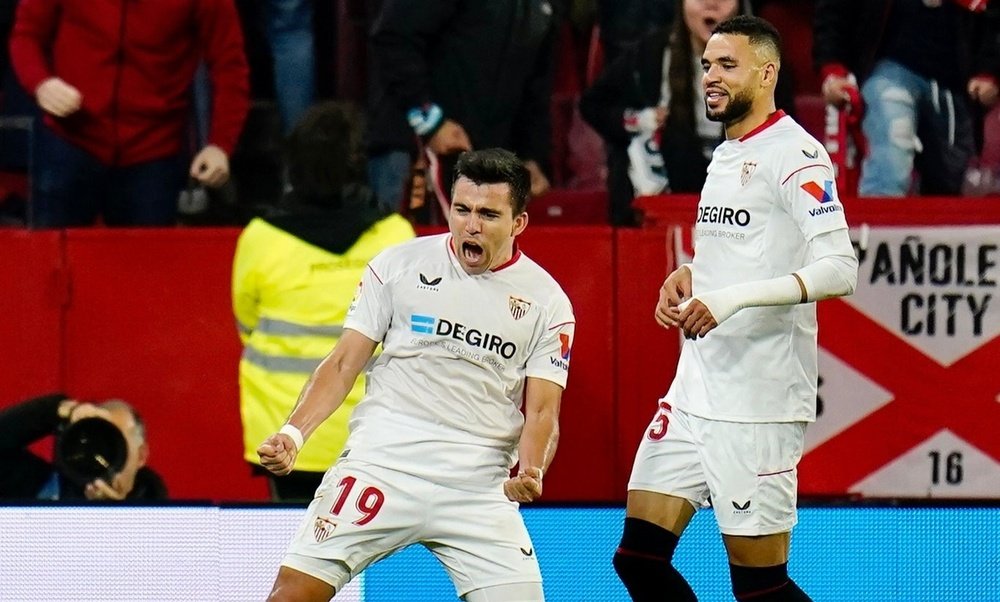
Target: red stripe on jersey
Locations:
point(771, 474)
point(771, 120)
point(800, 169)
point(513, 258)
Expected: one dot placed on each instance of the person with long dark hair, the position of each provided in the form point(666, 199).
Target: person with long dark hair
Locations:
point(647, 107)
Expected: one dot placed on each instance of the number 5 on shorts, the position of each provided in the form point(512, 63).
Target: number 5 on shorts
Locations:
point(658, 428)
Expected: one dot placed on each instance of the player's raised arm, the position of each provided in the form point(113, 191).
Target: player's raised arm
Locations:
point(323, 393)
point(539, 439)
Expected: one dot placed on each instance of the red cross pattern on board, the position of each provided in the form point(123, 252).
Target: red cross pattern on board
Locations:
point(927, 397)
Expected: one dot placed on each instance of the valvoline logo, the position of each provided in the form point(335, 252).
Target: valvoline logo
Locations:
point(823, 194)
point(565, 346)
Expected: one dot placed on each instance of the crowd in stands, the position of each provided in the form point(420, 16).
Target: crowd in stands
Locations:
point(121, 116)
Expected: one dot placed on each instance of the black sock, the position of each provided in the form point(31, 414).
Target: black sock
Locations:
point(642, 562)
point(765, 584)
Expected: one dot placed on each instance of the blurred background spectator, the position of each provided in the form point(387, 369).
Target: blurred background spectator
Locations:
point(624, 22)
point(114, 82)
point(7, 10)
point(280, 38)
point(294, 276)
point(300, 52)
point(455, 76)
point(921, 66)
point(289, 27)
point(514, 77)
point(649, 107)
point(26, 475)
point(16, 111)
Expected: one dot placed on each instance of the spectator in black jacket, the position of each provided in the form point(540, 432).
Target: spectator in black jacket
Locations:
point(625, 22)
point(25, 475)
point(458, 76)
point(919, 64)
point(6, 22)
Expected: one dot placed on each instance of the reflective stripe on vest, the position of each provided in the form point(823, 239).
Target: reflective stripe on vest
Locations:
point(285, 328)
point(277, 363)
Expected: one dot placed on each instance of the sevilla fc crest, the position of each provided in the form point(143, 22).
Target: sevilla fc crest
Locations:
point(323, 528)
point(518, 307)
point(747, 172)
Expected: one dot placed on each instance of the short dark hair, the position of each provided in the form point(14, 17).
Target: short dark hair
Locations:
point(497, 166)
point(324, 151)
point(760, 31)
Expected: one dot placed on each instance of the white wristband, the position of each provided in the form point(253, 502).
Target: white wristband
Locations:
point(294, 434)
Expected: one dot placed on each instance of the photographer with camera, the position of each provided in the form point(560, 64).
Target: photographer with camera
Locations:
point(100, 451)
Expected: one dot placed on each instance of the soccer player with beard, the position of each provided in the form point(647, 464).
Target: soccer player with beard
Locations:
point(771, 239)
point(468, 325)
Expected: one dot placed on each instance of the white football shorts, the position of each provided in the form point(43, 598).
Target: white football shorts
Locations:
point(747, 471)
point(363, 513)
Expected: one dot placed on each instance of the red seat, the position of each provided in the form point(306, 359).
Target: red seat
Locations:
point(991, 139)
point(570, 207)
point(810, 112)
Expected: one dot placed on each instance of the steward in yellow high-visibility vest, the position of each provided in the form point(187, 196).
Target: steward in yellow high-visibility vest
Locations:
point(294, 276)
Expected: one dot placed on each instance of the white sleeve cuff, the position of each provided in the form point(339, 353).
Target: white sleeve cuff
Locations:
point(725, 302)
point(834, 269)
point(828, 277)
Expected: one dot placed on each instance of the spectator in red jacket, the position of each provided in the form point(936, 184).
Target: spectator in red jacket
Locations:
point(114, 79)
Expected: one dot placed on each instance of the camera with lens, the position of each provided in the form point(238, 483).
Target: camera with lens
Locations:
point(89, 449)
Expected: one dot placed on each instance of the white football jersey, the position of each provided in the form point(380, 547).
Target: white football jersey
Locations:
point(443, 398)
point(767, 194)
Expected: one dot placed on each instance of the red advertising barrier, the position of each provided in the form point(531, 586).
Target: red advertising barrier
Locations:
point(145, 315)
point(646, 355)
point(909, 396)
point(909, 393)
point(32, 305)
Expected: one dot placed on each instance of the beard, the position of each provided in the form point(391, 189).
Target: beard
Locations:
point(736, 109)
